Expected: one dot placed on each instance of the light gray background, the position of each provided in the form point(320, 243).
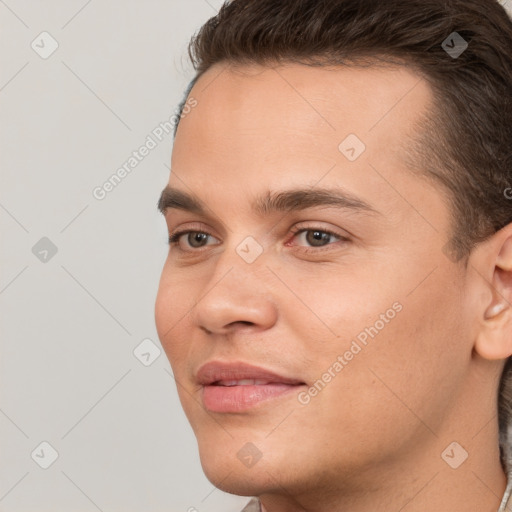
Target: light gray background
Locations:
point(70, 324)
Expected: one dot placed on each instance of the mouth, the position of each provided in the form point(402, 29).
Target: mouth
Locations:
point(238, 387)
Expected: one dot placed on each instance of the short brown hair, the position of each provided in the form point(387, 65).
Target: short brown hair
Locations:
point(465, 142)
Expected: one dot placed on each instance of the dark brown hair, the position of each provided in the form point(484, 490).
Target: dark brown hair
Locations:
point(465, 142)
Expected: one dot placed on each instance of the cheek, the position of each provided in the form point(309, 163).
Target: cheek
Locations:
point(406, 371)
point(327, 309)
point(419, 359)
point(414, 339)
point(174, 301)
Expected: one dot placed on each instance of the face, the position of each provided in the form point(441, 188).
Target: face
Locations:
point(306, 305)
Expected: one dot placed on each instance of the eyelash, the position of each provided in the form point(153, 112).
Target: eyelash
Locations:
point(175, 237)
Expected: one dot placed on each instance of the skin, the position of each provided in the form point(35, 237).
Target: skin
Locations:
point(373, 438)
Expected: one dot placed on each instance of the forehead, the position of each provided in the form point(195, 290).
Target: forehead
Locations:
point(304, 107)
point(335, 98)
point(257, 127)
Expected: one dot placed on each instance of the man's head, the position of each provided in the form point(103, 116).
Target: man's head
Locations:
point(344, 179)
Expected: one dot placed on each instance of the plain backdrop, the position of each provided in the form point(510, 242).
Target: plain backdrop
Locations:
point(89, 415)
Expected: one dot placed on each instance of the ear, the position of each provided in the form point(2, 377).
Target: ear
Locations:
point(494, 340)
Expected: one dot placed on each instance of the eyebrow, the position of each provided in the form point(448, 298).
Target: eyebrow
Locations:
point(272, 202)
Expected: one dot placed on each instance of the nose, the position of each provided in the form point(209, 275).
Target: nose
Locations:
point(235, 298)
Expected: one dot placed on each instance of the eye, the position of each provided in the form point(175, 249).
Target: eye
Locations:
point(190, 239)
point(314, 237)
point(310, 238)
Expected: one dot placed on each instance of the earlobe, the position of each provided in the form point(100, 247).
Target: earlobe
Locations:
point(494, 340)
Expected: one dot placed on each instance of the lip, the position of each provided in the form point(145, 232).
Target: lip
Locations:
point(236, 387)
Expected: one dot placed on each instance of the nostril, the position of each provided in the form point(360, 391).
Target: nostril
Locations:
point(239, 323)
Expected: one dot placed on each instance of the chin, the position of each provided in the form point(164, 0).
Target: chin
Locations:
point(233, 479)
point(236, 465)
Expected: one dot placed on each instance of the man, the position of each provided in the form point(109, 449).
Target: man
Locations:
point(336, 301)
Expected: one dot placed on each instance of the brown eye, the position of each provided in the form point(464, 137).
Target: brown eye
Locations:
point(196, 239)
point(318, 238)
point(188, 240)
